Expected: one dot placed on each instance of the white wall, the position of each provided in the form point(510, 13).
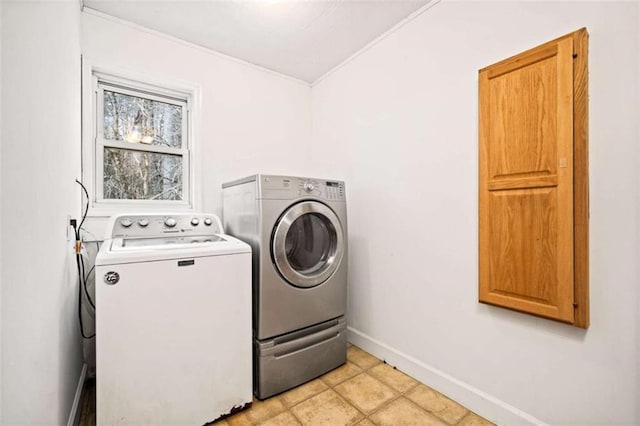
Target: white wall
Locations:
point(253, 121)
point(40, 159)
point(401, 122)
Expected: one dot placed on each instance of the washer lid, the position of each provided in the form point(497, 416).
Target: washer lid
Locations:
point(307, 244)
point(120, 251)
point(163, 243)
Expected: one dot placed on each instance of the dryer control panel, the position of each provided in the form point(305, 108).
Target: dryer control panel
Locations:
point(158, 225)
point(285, 188)
point(335, 190)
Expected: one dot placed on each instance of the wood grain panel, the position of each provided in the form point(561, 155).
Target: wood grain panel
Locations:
point(523, 258)
point(523, 123)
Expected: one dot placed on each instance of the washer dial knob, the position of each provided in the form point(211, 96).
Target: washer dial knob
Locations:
point(143, 223)
point(208, 221)
point(195, 221)
point(170, 222)
point(309, 186)
point(126, 223)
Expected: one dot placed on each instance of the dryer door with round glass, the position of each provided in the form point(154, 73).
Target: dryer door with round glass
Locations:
point(307, 244)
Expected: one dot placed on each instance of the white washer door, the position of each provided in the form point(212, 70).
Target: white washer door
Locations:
point(307, 244)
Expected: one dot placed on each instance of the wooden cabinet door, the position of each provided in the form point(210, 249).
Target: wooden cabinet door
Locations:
point(526, 182)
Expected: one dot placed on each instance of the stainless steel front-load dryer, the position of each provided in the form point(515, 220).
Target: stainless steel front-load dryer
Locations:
point(297, 229)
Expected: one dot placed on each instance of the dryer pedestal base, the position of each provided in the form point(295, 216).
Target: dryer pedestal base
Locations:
point(295, 358)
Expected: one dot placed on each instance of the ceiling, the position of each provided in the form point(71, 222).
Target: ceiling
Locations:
point(300, 38)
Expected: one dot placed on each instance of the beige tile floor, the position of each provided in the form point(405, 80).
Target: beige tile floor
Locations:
point(365, 391)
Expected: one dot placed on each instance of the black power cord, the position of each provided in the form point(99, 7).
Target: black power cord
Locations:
point(82, 278)
point(84, 283)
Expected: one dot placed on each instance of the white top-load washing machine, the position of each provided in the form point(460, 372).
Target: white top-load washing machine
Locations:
point(173, 321)
point(297, 228)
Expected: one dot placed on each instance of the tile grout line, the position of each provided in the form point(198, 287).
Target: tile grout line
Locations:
point(465, 416)
point(399, 393)
point(332, 387)
point(365, 371)
point(294, 414)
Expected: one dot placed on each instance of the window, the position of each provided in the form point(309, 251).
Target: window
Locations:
point(140, 151)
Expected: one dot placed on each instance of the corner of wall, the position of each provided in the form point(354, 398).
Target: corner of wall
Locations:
point(1, 204)
point(637, 192)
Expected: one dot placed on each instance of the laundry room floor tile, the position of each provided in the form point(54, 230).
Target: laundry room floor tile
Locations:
point(282, 419)
point(438, 404)
point(361, 358)
point(392, 377)
point(303, 392)
point(364, 392)
point(326, 409)
point(404, 412)
point(472, 419)
point(340, 374)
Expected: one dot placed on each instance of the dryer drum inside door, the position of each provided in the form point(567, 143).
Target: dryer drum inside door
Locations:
point(307, 244)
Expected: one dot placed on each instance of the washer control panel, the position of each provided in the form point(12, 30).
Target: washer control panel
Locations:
point(157, 225)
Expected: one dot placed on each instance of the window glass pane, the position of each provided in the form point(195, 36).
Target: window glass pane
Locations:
point(139, 120)
point(139, 175)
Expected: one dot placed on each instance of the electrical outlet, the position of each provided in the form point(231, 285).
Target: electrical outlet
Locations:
point(70, 228)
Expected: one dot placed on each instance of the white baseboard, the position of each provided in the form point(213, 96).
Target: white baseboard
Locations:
point(73, 415)
point(476, 400)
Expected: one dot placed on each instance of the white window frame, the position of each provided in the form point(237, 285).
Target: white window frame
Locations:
point(103, 84)
point(95, 80)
